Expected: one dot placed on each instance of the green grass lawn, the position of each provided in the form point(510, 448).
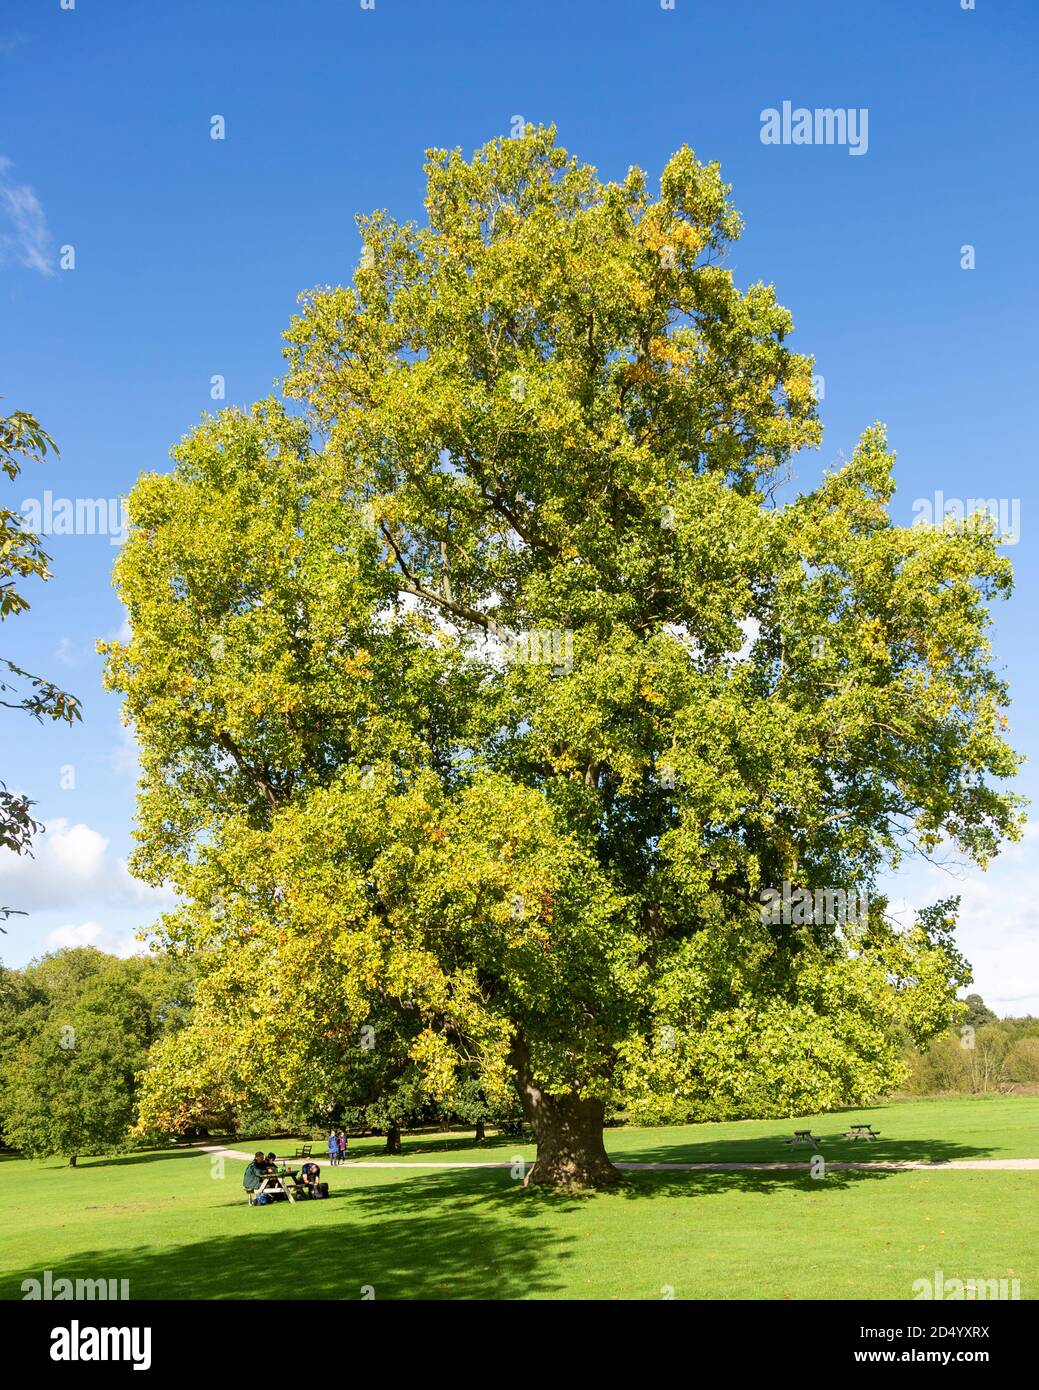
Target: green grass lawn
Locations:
point(173, 1227)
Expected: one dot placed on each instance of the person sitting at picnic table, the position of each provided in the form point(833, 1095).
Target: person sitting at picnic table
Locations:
point(333, 1148)
point(255, 1173)
point(272, 1169)
point(308, 1181)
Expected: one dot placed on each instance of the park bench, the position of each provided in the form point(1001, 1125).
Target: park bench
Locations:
point(802, 1136)
point(861, 1132)
point(303, 1150)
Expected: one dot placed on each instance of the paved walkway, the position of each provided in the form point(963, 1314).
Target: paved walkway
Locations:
point(891, 1165)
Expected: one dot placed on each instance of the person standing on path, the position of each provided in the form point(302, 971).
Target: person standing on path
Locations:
point(342, 1141)
point(333, 1148)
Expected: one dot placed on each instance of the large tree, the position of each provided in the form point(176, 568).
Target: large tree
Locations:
point(483, 699)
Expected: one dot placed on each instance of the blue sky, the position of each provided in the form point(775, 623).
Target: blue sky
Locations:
point(189, 254)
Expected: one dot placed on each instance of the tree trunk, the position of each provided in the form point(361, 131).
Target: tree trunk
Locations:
point(569, 1133)
point(393, 1138)
point(481, 1131)
point(72, 1160)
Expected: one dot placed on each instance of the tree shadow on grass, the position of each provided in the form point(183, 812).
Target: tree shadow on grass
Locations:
point(652, 1186)
point(637, 1186)
point(124, 1160)
point(419, 1238)
point(453, 1235)
point(421, 1144)
point(771, 1148)
point(500, 1194)
point(85, 1162)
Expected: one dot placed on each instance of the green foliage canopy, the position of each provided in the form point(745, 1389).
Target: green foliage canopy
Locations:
point(75, 1028)
point(548, 422)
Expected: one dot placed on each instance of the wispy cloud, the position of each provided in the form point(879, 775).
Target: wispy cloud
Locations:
point(69, 653)
point(998, 924)
point(116, 943)
point(24, 234)
point(125, 758)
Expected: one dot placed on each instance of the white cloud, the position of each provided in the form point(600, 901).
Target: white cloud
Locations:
point(29, 238)
point(93, 934)
point(998, 924)
point(68, 653)
point(71, 856)
point(125, 757)
point(71, 866)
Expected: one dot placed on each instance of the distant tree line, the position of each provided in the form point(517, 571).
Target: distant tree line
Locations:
point(981, 1053)
point(76, 1028)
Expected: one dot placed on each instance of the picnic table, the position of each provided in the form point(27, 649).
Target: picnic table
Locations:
point(866, 1132)
point(802, 1136)
point(272, 1184)
point(283, 1181)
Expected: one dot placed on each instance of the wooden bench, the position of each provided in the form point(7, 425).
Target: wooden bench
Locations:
point(303, 1151)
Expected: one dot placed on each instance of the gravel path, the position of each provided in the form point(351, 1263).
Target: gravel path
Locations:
point(892, 1165)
